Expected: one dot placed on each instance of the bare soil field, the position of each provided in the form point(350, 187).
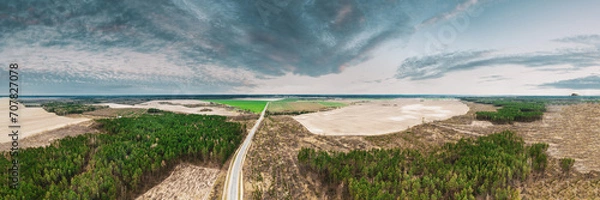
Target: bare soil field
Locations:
point(295, 106)
point(46, 138)
point(114, 112)
point(271, 167)
point(180, 106)
point(33, 121)
point(186, 181)
point(378, 117)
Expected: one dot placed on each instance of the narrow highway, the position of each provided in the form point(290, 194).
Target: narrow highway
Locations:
point(234, 184)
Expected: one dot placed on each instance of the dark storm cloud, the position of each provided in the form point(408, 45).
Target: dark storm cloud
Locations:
point(435, 66)
point(266, 36)
point(588, 82)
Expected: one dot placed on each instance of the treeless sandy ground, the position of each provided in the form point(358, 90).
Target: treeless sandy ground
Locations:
point(378, 117)
point(185, 182)
point(32, 120)
point(180, 106)
point(46, 138)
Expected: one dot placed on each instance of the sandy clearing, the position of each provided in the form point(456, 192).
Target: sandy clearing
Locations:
point(185, 182)
point(178, 106)
point(33, 121)
point(378, 117)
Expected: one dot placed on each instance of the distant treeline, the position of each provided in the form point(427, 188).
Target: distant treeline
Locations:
point(130, 155)
point(469, 169)
point(65, 108)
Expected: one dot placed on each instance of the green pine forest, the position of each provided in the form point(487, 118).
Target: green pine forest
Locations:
point(117, 164)
point(511, 111)
point(469, 169)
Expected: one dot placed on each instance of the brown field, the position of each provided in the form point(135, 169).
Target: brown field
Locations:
point(33, 121)
point(380, 116)
point(180, 106)
point(46, 138)
point(114, 112)
point(295, 106)
point(271, 169)
point(186, 181)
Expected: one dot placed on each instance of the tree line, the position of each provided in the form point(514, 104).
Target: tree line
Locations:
point(469, 169)
point(512, 111)
point(116, 164)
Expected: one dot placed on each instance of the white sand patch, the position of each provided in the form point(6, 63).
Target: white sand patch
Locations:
point(32, 120)
point(177, 106)
point(402, 118)
point(380, 116)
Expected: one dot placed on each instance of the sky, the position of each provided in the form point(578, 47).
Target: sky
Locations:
point(459, 47)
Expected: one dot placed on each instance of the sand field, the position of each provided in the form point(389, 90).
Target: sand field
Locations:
point(33, 121)
point(378, 117)
point(179, 106)
point(185, 182)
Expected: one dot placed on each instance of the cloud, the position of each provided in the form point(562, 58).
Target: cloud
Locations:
point(492, 78)
point(588, 40)
point(437, 65)
point(583, 39)
point(262, 38)
point(313, 37)
point(460, 8)
point(588, 82)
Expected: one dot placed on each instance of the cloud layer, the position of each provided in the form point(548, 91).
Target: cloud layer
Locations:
point(437, 65)
point(588, 82)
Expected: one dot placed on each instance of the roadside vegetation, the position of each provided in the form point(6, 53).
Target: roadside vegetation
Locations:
point(492, 165)
point(65, 108)
point(128, 158)
point(246, 105)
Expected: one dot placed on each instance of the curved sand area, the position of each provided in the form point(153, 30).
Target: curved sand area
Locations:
point(379, 117)
point(178, 107)
point(32, 120)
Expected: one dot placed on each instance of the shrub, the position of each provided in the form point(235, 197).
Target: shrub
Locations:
point(566, 164)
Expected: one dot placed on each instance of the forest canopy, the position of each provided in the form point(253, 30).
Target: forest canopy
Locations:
point(114, 165)
point(471, 168)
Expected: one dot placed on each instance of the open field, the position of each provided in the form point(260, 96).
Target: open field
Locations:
point(271, 169)
point(294, 106)
point(47, 137)
point(255, 106)
point(186, 181)
point(380, 116)
point(33, 121)
point(180, 106)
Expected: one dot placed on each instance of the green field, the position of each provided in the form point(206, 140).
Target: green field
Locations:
point(295, 106)
point(248, 105)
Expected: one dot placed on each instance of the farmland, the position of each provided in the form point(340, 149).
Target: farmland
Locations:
point(295, 106)
point(254, 106)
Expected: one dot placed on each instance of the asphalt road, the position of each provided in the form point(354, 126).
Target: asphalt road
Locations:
point(234, 184)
